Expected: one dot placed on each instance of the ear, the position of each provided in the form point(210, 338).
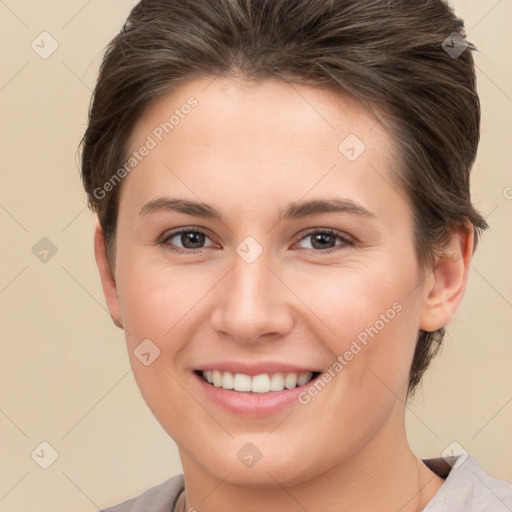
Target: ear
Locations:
point(108, 281)
point(445, 286)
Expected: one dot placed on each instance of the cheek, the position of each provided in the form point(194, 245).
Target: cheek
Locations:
point(352, 297)
point(155, 298)
point(369, 318)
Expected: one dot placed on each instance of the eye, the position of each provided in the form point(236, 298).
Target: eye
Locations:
point(191, 240)
point(321, 240)
point(324, 240)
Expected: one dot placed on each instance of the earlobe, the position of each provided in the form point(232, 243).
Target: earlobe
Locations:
point(108, 281)
point(444, 290)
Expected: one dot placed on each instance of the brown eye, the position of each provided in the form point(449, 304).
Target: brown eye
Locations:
point(325, 240)
point(189, 239)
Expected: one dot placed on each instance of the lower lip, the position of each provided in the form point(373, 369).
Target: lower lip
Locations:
point(252, 404)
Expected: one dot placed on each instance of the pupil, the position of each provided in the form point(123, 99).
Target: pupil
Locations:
point(196, 239)
point(322, 236)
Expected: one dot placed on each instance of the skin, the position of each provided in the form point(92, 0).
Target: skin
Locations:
point(248, 149)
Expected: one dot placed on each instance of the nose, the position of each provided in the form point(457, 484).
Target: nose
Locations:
point(252, 303)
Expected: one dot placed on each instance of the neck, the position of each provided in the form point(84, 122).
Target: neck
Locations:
point(383, 475)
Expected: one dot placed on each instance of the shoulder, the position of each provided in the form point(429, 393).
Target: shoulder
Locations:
point(158, 498)
point(467, 487)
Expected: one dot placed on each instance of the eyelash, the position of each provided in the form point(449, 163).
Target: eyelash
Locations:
point(345, 240)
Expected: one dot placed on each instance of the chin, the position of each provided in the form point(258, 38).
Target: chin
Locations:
point(256, 464)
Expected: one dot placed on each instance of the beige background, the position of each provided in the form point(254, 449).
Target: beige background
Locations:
point(64, 371)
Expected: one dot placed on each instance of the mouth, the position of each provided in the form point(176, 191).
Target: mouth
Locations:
point(261, 384)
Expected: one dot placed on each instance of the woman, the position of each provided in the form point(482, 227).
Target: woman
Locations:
point(285, 228)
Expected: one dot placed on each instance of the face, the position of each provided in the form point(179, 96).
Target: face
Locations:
point(263, 243)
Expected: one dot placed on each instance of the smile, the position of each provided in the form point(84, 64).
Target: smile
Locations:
point(262, 383)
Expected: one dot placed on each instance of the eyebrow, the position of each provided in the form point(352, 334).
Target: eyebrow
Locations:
point(294, 210)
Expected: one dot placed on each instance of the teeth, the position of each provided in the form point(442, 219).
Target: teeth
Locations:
point(262, 383)
point(277, 382)
point(290, 381)
point(304, 378)
point(227, 380)
point(217, 378)
point(242, 382)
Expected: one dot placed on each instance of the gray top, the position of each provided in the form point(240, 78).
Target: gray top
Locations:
point(467, 488)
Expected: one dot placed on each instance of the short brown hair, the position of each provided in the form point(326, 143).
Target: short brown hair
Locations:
point(390, 54)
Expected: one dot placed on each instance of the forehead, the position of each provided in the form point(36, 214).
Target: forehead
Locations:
point(224, 105)
point(246, 140)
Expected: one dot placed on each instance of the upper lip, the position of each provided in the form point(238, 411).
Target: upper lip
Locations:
point(252, 368)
